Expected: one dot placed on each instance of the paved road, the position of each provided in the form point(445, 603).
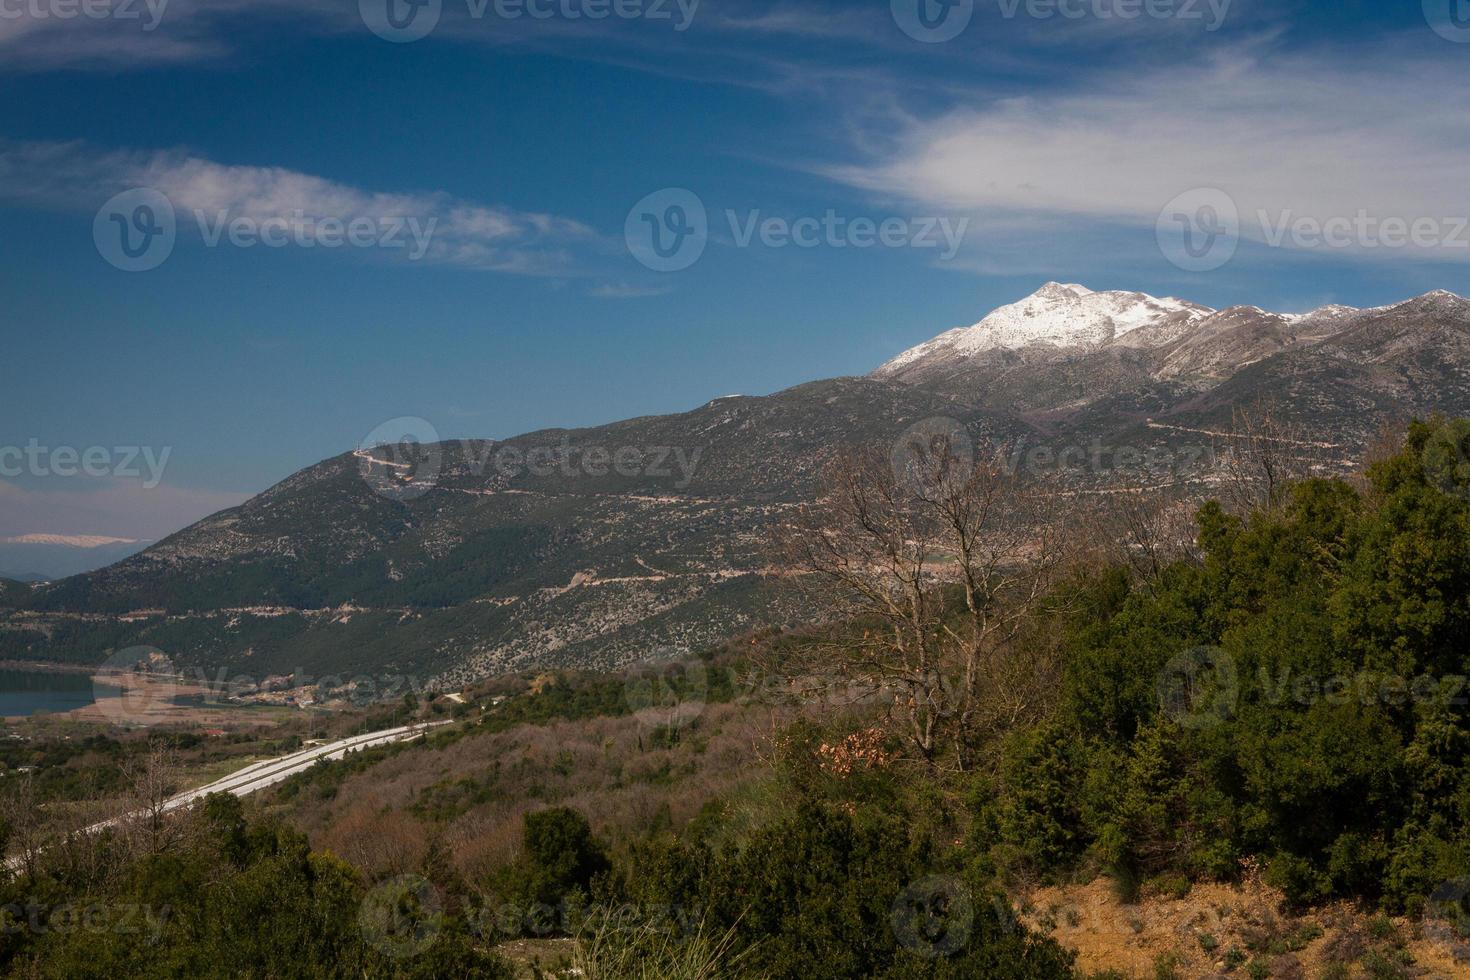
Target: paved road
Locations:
point(259, 775)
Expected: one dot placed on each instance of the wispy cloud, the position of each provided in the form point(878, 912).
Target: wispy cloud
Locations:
point(208, 196)
point(1323, 135)
point(629, 291)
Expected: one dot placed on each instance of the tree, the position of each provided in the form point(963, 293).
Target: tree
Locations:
point(21, 825)
point(940, 554)
point(562, 857)
point(153, 778)
point(1265, 453)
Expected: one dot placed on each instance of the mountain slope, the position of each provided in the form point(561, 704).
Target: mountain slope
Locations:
point(497, 565)
point(1338, 372)
point(647, 537)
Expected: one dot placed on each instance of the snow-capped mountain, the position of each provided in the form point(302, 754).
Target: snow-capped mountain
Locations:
point(473, 578)
point(1060, 315)
point(1068, 353)
point(49, 556)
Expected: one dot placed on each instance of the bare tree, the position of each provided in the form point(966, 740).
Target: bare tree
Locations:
point(885, 546)
point(25, 832)
point(1146, 532)
point(1263, 454)
point(152, 778)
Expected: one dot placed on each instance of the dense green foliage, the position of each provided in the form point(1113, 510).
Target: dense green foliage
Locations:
point(1297, 695)
point(231, 900)
point(561, 859)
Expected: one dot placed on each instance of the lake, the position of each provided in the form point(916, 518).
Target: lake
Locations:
point(25, 692)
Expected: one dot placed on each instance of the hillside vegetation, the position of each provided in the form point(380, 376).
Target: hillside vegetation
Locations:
point(1281, 710)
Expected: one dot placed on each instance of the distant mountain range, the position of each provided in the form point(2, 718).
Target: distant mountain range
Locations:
point(44, 557)
point(645, 538)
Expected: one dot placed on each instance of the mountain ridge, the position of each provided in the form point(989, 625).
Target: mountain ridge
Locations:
point(494, 567)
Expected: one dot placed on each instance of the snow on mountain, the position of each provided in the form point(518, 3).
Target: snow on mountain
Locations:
point(1058, 315)
point(69, 540)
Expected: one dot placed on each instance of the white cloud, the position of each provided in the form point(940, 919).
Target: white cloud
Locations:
point(1324, 135)
point(446, 230)
point(622, 290)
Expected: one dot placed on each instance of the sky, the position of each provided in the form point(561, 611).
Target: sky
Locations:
point(239, 236)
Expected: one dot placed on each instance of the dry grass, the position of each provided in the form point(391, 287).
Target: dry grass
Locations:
point(1236, 931)
point(475, 791)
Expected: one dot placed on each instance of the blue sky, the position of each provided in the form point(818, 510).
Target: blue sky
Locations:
point(1054, 141)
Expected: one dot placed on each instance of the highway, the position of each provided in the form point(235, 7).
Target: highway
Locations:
point(259, 775)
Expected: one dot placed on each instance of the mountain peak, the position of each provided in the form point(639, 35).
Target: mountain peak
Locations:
point(1062, 290)
point(1058, 315)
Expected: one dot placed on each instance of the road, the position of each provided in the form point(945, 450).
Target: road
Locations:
point(259, 775)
